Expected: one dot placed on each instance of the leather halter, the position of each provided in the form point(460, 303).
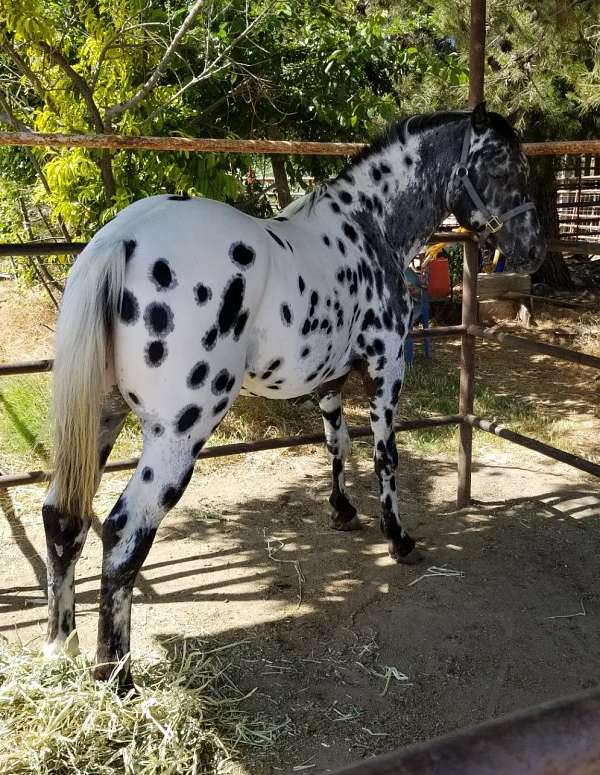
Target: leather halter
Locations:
point(493, 223)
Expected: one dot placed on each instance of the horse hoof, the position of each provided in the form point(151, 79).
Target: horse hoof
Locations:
point(103, 672)
point(339, 523)
point(412, 558)
point(60, 648)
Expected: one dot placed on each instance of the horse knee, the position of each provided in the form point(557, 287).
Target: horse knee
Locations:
point(65, 537)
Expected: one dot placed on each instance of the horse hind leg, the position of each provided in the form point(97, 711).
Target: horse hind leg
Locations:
point(160, 479)
point(65, 538)
point(338, 442)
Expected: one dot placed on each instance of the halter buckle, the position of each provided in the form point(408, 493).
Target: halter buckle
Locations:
point(494, 224)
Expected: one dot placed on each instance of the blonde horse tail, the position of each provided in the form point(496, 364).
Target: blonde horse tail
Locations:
point(92, 299)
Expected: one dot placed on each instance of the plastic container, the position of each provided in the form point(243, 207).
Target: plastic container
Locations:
point(438, 285)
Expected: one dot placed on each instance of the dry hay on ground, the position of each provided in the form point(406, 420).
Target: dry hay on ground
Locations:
point(186, 716)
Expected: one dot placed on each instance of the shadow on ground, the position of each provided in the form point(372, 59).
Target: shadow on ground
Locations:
point(363, 655)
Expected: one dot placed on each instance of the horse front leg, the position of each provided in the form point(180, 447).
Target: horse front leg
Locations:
point(383, 387)
point(66, 535)
point(338, 445)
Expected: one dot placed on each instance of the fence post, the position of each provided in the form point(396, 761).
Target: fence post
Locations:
point(470, 265)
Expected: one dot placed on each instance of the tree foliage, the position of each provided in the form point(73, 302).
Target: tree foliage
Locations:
point(307, 70)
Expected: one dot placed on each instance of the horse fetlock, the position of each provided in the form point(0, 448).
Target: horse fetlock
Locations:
point(396, 552)
point(401, 545)
point(117, 670)
point(345, 522)
point(62, 645)
point(340, 503)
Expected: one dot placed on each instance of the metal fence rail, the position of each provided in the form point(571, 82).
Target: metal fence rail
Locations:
point(219, 145)
point(556, 738)
point(244, 447)
point(72, 248)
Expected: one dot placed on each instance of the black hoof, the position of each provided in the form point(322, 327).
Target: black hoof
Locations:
point(412, 558)
point(345, 521)
point(403, 550)
point(106, 670)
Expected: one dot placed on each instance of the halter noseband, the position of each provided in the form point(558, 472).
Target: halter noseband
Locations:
point(493, 223)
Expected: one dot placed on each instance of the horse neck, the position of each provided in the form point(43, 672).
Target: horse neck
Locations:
point(397, 194)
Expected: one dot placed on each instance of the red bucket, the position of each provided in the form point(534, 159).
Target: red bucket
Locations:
point(438, 284)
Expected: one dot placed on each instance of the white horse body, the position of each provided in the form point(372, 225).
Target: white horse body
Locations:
point(196, 246)
point(179, 304)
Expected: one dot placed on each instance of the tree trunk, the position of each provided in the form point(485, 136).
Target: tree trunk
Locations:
point(282, 186)
point(36, 268)
point(108, 179)
point(553, 272)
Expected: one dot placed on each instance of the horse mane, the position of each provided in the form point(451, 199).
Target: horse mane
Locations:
point(399, 131)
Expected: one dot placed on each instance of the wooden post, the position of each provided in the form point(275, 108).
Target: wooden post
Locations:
point(469, 292)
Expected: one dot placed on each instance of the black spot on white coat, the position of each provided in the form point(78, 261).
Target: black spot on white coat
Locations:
point(158, 318)
point(130, 309)
point(156, 353)
point(286, 314)
point(162, 275)
point(187, 418)
point(242, 254)
point(231, 304)
point(277, 239)
point(197, 376)
point(202, 294)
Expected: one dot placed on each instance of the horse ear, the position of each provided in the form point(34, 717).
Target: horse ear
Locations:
point(479, 118)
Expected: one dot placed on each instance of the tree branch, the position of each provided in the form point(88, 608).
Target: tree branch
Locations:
point(231, 93)
point(59, 59)
point(35, 82)
point(7, 117)
point(29, 232)
point(81, 85)
point(115, 110)
point(109, 44)
point(213, 69)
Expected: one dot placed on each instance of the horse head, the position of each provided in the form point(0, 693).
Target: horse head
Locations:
point(489, 191)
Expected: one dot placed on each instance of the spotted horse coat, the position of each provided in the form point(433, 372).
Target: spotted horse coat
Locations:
point(178, 305)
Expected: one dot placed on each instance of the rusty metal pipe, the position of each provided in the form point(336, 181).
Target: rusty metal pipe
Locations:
point(522, 343)
point(537, 446)
point(448, 237)
point(244, 447)
point(34, 367)
point(466, 391)
point(561, 737)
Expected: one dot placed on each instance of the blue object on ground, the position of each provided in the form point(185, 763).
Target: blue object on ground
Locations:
point(420, 312)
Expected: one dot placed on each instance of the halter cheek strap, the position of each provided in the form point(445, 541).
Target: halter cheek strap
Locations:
point(493, 223)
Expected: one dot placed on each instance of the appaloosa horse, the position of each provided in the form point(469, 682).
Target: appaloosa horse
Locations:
point(178, 304)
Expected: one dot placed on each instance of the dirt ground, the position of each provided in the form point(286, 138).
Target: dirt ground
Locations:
point(359, 654)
